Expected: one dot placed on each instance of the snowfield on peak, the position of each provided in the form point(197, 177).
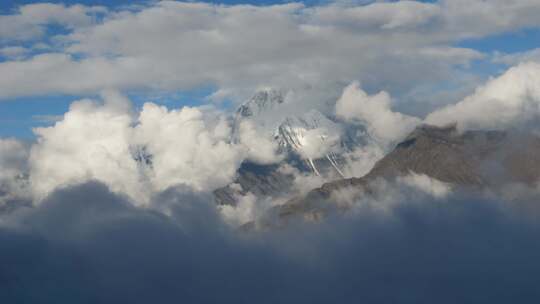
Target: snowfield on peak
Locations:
point(309, 136)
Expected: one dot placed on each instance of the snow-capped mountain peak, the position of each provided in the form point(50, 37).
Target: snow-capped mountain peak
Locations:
point(312, 128)
point(261, 102)
point(312, 136)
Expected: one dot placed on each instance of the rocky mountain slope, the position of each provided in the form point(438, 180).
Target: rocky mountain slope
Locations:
point(473, 159)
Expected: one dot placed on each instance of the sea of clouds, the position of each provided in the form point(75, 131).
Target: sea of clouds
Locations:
point(112, 203)
point(84, 221)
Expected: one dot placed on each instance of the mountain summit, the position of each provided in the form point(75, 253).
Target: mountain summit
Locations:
point(311, 142)
point(261, 102)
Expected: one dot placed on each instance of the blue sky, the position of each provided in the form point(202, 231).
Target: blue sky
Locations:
point(11, 4)
point(518, 41)
point(19, 114)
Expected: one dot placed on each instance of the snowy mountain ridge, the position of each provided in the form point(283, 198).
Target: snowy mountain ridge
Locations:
point(309, 136)
point(312, 136)
point(311, 142)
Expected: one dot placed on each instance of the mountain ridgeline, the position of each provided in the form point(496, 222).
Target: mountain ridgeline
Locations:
point(472, 159)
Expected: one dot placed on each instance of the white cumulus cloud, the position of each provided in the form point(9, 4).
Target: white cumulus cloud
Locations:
point(374, 111)
point(186, 149)
point(91, 142)
point(510, 100)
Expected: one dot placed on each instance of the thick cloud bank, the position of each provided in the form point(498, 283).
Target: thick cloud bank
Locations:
point(113, 204)
point(140, 152)
point(85, 244)
point(172, 45)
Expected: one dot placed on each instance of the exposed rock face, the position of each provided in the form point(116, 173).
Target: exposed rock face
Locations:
point(473, 159)
point(440, 153)
point(260, 180)
point(311, 142)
